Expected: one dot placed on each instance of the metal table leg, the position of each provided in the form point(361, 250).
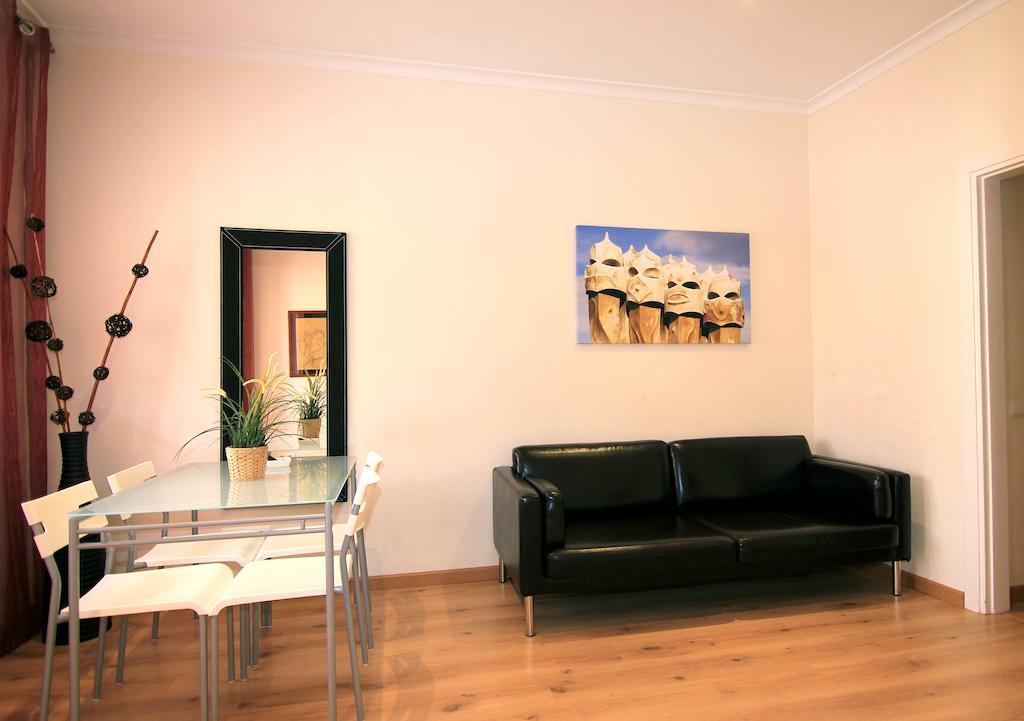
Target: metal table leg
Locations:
point(74, 639)
point(332, 678)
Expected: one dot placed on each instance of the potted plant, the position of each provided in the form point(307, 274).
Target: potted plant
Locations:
point(310, 402)
point(251, 424)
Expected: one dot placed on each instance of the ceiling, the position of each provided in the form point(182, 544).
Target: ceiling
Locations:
point(792, 51)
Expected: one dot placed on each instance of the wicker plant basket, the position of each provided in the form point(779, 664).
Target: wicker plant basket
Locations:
point(247, 464)
point(309, 428)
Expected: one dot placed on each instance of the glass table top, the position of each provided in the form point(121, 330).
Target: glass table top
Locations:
point(206, 486)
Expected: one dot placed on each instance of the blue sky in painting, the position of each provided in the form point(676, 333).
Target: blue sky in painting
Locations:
point(702, 248)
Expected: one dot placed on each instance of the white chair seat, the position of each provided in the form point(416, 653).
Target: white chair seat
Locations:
point(163, 589)
point(238, 551)
point(302, 544)
point(280, 579)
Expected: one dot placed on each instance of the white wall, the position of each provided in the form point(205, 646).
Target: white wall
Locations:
point(459, 202)
point(885, 273)
point(1013, 287)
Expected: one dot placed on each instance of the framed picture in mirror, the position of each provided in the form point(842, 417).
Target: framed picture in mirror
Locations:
point(307, 342)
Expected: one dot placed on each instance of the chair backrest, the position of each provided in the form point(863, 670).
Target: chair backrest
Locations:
point(52, 513)
point(365, 499)
point(374, 461)
point(131, 477)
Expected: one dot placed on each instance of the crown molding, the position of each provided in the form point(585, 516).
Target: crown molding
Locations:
point(376, 65)
point(917, 43)
point(418, 69)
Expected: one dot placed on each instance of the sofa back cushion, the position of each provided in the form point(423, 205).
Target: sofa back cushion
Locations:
point(595, 476)
point(730, 470)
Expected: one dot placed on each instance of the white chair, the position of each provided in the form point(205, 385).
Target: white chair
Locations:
point(300, 577)
point(117, 594)
point(236, 551)
point(313, 545)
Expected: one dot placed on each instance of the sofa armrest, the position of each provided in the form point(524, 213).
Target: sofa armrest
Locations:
point(900, 486)
point(518, 518)
point(554, 511)
point(848, 489)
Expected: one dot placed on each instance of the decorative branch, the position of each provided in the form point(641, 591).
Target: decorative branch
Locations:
point(117, 326)
point(43, 286)
point(20, 272)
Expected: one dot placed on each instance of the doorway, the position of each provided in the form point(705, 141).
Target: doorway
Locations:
point(993, 355)
point(1011, 193)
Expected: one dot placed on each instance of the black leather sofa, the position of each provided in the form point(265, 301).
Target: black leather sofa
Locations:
point(649, 514)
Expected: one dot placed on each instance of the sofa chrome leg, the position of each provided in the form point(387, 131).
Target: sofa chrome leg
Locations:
point(528, 603)
point(897, 579)
point(502, 573)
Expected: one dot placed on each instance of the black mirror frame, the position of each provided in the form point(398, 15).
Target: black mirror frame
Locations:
point(232, 241)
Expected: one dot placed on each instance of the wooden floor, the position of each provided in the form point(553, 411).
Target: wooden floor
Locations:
point(824, 647)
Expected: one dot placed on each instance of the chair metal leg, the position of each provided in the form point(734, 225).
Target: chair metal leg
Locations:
point(361, 547)
point(122, 644)
point(360, 600)
point(243, 642)
point(101, 645)
point(502, 574)
point(204, 672)
point(897, 578)
point(97, 679)
point(214, 670)
point(229, 627)
point(357, 689)
point(364, 575)
point(254, 635)
point(51, 643)
point(154, 634)
point(528, 604)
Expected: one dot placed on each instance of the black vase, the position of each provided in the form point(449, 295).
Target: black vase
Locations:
point(74, 454)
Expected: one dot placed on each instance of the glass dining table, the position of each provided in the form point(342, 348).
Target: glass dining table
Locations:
point(198, 487)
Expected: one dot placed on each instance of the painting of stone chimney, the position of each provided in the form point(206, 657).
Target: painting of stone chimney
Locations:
point(647, 286)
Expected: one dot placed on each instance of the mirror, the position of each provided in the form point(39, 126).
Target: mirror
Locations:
point(283, 292)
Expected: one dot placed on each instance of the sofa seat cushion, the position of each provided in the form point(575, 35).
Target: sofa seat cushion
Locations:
point(637, 543)
point(771, 535)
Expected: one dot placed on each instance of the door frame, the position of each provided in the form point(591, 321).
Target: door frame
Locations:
point(983, 364)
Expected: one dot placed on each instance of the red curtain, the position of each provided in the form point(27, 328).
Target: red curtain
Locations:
point(25, 63)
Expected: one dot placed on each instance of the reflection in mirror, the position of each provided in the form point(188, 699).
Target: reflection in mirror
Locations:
point(285, 316)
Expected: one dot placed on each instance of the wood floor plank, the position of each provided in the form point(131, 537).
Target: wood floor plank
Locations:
point(833, 646)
